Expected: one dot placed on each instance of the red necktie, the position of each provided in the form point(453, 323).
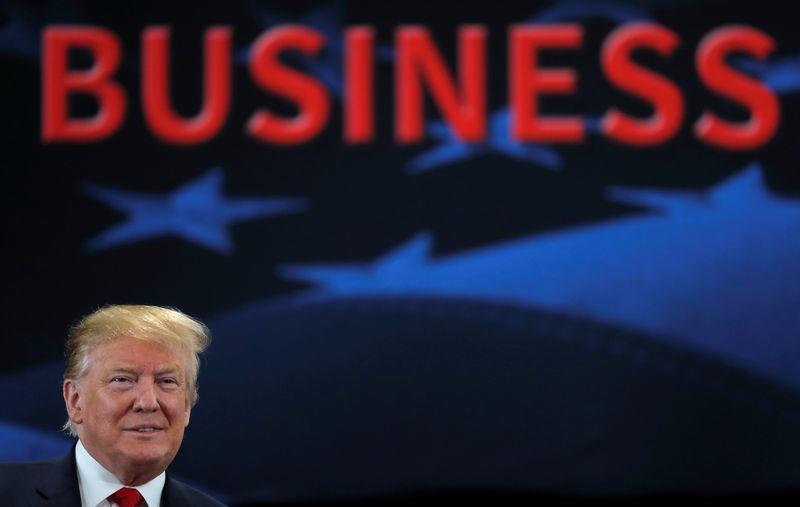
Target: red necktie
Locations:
point(126, 497)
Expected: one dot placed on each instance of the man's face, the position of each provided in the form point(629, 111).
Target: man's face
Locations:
point(130, 408)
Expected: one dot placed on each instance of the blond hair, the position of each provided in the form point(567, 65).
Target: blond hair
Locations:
point(166, 326)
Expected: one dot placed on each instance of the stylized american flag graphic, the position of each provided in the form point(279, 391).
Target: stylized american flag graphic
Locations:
point(498, 320)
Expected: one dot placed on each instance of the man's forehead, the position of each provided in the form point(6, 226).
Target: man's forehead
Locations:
point(127, 352)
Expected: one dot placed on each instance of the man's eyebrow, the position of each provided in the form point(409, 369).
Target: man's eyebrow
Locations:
point(124, 369)
point(168, 369)
point(133, 370)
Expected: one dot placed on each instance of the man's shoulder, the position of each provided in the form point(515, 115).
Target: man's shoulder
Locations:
point(19, 481)
point(28, 470)
point(179, 491)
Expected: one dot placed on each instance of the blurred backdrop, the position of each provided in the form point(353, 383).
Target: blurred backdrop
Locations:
point(430, 319)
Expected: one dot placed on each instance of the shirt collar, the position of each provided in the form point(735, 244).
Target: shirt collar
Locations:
point(96, 483)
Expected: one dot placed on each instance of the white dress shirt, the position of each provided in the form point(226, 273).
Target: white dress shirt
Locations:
point(96, 483)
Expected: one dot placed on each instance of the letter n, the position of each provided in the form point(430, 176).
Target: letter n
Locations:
point(417, 61)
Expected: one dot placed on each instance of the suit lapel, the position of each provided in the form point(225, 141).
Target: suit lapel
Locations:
point(171, 496)
point(59, 487)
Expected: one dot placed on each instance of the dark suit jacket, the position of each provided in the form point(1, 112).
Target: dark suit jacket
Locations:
point(54, 483)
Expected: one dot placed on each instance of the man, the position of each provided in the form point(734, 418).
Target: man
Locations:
point(129, 386)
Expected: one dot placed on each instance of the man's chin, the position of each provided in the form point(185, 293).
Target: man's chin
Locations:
point(143, 454)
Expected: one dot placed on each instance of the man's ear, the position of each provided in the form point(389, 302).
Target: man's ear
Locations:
point(72, 399)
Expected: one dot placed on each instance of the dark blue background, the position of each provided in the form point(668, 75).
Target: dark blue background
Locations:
point(578, 320)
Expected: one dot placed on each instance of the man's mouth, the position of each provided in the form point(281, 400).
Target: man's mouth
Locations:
point(145, 429)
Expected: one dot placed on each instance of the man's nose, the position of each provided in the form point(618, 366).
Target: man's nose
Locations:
point(146, 397)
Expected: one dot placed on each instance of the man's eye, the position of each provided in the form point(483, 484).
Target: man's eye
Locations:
point(120, 379)
point(169, 381)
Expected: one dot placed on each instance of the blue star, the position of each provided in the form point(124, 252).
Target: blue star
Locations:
point(618, 12)
point(327, 65)
point(712, 269)
point(780, 74)
point(196, 212)
point(406, 259)
point(21, 32)
point(498, 141)
point(18, 36)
